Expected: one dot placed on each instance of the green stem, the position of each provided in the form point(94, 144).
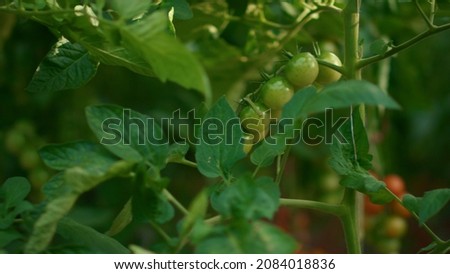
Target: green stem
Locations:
point(175, 202)
point(337, 210)
point(183, 162)
point(350, 220)
point(396, 49)
point(283, 163)
point(161, 232)
point(332, 66)
point(433, 235)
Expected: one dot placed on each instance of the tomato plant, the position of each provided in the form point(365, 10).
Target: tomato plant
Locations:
point(177, 150)
point(276, 93)
point(302, 69)
point(328, 75)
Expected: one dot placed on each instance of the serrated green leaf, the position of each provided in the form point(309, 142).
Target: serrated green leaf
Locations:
point(169, 59)
point(182, 10)
point(149, 205)
point(66, 66)
point(217, 153)
point(378, 46)
point(12, 203)
point(197, 211)
point(124, 218)
point(128, 134)
point(177, 152)
point(251, 238)
point(275, 144)
point(135, 249)
point(350, 151)
point(344, 94)
point(429, 205)
point(64, 190)
point(8, 236)
point(247, 198)
point(74, 233)
point(369, 185)
point(87, 155)
point(14, 191)
point(130, 8)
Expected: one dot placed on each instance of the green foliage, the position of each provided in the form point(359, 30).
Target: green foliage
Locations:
point(130, 9)
point(12, 201)
point(224, 42)
point(344, 94)
point(247, 198)
point(244, 237)
point(350, 158)
point(220, 145)
point(87, 155)
point(136, 137)
point(64, 191)
point(66, 66)
point(428, 205)
point(76, 235)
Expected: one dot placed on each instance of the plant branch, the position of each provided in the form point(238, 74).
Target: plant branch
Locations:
point(175, 202)
point(161, 232)
point(337, 210)
point(183, 162)
point(424, 16)
point(339, 69)
point(395, 49)
point(33, 13)
point(284, 160)
point(433, 235)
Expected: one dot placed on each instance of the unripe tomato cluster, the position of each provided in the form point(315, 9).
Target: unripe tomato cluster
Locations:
point(386, 225)
point(22, 142)
point(301, 70)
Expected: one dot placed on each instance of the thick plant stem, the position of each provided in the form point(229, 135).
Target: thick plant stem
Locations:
point(350, 220)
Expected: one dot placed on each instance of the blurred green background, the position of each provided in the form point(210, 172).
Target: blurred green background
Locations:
point(414, 142)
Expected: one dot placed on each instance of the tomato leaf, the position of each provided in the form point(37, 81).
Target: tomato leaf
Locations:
point(92, 241)
point(350, 149)
point(12, 203)
point(90, 156)
point(275, 144)
point(344, 94)
point(369, 185)
point(66, 66)
point(247, 198)
point(8, 236)
point(242, 237)
point(169, 59)
point(181, 8)
point(428, 205)
point(63, 191)
point(122, 219)
point(130, 8)
point(219, 146)
point(128, 134)
point(14, 191)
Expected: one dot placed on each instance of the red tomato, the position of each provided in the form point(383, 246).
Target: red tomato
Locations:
point(395, 184)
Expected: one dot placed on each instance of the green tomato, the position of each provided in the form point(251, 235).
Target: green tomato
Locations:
point(326, 74)
point(29, 159)
point(15, 141)
point(302, 70)
point(394, 227)
point(255, 122)
point(276, 92)
point(247, 142)
point(388, 246)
